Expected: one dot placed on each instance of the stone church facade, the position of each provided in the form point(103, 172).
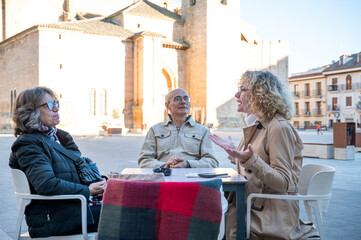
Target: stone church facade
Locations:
point(114, 68)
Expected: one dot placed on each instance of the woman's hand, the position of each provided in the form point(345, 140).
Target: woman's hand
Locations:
point(222, 142)
point(97, 188)
point(243, 156)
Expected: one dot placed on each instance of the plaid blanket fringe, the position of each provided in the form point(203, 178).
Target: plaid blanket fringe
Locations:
point(160, 210)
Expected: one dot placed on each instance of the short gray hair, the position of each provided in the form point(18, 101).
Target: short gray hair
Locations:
point(167, 98)
point(26, 113)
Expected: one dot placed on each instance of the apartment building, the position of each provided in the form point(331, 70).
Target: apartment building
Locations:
point(309, 97)
point(344, 89)
point(328, 94)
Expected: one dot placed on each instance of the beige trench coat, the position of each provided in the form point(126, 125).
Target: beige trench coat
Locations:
point(273, 169)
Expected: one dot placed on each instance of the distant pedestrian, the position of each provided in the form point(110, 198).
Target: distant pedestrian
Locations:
point(319, 130)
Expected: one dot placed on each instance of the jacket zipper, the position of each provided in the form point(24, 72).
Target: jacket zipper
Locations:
point(47, 214)
point(177, 135)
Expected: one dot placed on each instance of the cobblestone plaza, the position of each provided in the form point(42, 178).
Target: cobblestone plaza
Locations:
point(112, 154)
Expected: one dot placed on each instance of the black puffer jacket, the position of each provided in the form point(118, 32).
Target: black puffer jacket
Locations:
point(50, 173)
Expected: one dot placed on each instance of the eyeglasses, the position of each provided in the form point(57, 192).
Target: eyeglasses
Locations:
point(242, 89)
point(178, 99)
point(51, 105)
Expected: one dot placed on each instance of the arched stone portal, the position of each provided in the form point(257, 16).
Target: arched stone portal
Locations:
point(168, 80)
point(170, 87)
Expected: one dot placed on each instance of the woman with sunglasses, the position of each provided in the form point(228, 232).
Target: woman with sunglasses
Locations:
point(36, 115)
point(269, 156)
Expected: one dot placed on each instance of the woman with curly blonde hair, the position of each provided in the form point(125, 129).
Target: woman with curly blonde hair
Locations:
point(269, 156)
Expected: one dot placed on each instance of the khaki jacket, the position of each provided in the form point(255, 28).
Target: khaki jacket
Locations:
point(273, 169)
point(191, 142)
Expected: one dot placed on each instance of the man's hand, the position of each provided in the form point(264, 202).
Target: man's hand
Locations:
point(176, 162)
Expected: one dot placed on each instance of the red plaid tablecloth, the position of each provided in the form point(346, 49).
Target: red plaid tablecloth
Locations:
point(160, 210)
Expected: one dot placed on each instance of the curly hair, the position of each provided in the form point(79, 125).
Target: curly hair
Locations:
point(267, 95)
point(26, 112)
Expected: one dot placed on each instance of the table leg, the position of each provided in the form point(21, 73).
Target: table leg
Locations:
point(241, 211)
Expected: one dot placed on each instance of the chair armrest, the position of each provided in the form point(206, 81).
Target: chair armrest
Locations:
point(55, 197)
point(288, 197)
point(82, 199)
point(277, 196)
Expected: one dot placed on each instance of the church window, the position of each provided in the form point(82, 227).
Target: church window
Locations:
point(192, 2)
point(91, 102)
point(224, 2)
point(61, 66)
point(59, 36)
point(12, 100)
point(138, 25)
point(102, 102)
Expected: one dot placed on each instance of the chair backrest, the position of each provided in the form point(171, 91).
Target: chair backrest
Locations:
point(21, 184)
point(316, 180)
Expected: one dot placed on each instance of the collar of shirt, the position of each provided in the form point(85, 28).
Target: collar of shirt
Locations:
point(251, 120)
point(188, 119)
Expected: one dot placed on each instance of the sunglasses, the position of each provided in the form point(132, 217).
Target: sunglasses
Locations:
point(51, 105)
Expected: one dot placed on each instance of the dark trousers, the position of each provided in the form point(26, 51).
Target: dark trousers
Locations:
point(96, 214)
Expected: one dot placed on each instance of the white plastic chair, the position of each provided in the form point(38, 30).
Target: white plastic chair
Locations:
point(24, 197)
point(224, 210)
point(314, 189)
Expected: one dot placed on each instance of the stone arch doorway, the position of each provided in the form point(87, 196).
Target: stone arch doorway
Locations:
point(170, 87)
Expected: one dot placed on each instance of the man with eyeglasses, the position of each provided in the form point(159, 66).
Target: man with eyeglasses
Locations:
point(178, 142)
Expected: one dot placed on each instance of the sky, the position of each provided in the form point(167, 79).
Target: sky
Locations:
point(318, 31)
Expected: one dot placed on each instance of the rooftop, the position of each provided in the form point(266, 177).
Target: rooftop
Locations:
point(148, 9)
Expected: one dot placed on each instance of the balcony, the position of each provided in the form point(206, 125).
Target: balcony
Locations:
point(343, 87)
point(317, 112)
point(357, 86)
point(317, 93)
point(296, 94)
point(307, 94)
point(333, 108)
point(358, 106)
point(333, 88)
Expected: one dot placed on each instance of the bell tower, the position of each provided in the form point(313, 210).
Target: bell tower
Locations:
point(3, 20)
point(212, 29)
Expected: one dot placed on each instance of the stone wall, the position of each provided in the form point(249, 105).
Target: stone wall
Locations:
point(76, 64)
point(19, 70)
point(71, 66)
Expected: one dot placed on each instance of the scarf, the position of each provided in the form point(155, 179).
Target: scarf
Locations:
point(50, 131)
point(250, 120)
